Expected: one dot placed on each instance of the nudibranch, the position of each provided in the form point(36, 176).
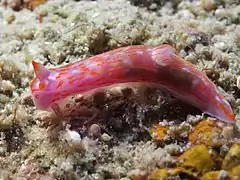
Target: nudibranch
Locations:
point(154, 65)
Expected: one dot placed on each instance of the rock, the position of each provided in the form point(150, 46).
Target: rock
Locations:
point(105, 137)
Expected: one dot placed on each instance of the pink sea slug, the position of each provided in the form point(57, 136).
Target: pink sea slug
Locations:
point(152, 65)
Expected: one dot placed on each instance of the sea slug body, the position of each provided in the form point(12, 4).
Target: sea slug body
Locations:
point(156, 65)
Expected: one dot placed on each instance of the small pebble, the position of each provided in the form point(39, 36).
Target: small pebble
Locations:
point(67, 165)
point(194, 119)
point(238, 82)
point(4, 98)
point(72, 136)
point(182, 53)
point(238, 33)
point(192, 58)
point(105, 137)
point(153, 6)
point(94, 131)
point(209, 5)
point(10, 19)
point(137, 172)
point(6, 85)
point(223, 175)
point(74, 140)
point(3, 147)
point(125, 178)
point(221, 46)
point(237, 125)
point(228, 132)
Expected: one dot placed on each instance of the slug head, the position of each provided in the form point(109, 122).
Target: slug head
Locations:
point(223, 110)
point(39, 86)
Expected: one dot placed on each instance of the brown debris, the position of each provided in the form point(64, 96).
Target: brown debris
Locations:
point(18, 5)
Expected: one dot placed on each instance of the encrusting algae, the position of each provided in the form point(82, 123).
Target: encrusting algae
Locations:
point(196, 159)
point(207, 132)
point(199, 162)
point(232, 159)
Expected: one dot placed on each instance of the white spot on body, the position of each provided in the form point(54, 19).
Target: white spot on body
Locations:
point(127, 60)
point(218, 99)
point(225, 102)
point(91, 64)
point(104, 56)
point(36, 84)
point(139, 52)
point(53, 75)
point(186, 69)
point(75, 71)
